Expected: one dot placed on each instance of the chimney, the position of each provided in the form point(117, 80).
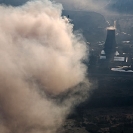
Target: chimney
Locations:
point(110, 43)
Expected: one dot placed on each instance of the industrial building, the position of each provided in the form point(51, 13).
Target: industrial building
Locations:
point(111, 58)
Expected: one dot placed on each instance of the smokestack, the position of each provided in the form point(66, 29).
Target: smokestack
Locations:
point(110, 43)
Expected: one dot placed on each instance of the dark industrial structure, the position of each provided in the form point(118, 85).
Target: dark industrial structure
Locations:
point(110, 44)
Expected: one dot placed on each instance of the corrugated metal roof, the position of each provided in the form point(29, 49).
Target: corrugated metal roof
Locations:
point(102, 57)
point(119, 58)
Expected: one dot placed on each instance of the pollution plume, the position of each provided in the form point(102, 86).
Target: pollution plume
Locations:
point(42, 74)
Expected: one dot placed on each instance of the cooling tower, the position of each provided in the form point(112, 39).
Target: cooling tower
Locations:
point(110, 43)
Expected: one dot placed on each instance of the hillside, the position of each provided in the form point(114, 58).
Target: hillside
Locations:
point(122, 6)
point(91, 24)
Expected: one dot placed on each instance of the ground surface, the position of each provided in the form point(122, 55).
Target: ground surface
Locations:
point(109, 110)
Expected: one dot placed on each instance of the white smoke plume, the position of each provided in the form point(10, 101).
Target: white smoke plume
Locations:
point(41, 71)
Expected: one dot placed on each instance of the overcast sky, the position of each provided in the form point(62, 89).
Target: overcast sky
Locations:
point(93, 5)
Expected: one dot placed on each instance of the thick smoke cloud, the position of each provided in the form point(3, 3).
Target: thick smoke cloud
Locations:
point(41, 71)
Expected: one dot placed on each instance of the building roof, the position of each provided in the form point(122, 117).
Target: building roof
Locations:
point(116, 58)
point(117, 53)
point(102, 52)
point(102, 57)
point(126, 69)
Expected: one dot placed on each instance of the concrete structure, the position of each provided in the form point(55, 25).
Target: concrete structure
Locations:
point(110, 44)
